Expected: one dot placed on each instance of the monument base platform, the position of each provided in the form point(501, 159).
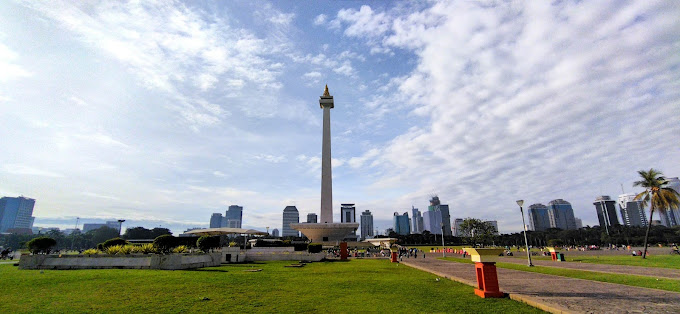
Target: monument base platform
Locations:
point(325, 232)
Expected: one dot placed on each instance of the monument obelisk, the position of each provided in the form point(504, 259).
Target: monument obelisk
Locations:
point(326, 103)
point(326, 231)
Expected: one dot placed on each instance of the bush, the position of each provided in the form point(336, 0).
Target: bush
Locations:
point(41, 245)
point(144, 248)
point(114, 241)
point(125, 249)
point(206, 243)
point(300, 246)
point(100, 246)
point(164, 243)
point(181, 249)
point(314, 247)
point(91, 252)
point(113, 250)
point(233, 244)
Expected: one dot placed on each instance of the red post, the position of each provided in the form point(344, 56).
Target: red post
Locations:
point(394, 257)
point(343, 251)
point(553, 256)
point(487, 280)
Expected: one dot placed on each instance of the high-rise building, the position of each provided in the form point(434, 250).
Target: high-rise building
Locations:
point(290, 215)
point(606, 212)
point(673, 213)
point(275, 232)
point(366, 225)
point(632, 212)
point(457, 231)
point(494, 223)
point(312, 218)
point(400, 223)
point(347, 213)
point(538, 217)
point(579, 223)
point(436, 205)
point(113, 224)
point(432, 221)
point(16, 213)
point(216, 220)
point(561, 215)
point(234, 216)
point(416, 221)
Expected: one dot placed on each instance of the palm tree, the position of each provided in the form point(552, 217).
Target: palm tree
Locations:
point(659, 196)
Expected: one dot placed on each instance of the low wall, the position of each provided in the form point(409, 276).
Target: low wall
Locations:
point(132, 261)
point(284, 256)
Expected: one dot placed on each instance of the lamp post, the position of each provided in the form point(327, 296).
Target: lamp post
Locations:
point(120, 225)
point(526, 242)
point(267, 230)
point(443, 245)
point(73, 236)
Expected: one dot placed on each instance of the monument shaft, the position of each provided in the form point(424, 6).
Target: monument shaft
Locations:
point(326, 102)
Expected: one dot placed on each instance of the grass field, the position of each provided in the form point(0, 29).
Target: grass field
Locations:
point(355, 286)
point(630, 280)
point(661, 261)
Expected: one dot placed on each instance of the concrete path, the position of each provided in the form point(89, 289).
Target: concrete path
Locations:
point(560, 294)
point(604, 268)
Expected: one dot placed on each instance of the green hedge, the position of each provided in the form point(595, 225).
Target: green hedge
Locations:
point(41, 245)
point(114, 241)
point(314, 247)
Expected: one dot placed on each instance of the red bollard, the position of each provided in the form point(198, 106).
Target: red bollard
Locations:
point(487, 280)
point(394, 257)
point(343, 251)
point(553, 256)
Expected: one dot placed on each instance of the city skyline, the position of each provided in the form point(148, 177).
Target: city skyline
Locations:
point(205, 106)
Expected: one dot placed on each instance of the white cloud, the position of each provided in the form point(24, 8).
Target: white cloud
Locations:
point(20, 169)
point(270, 158)
point(312, 75)
point(282, 18)
point(320, 19)
point(9, 70)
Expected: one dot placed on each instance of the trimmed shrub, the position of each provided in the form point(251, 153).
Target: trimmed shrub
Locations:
point(206, 243)
point(41, 245)
point(100, 246)
point(114, 241)
point(164, 243)
point(233, 244)
point(113, 250)
point(300, 246)
point(126, 249)
point(91, 252)
point(144, 248)
point(181, 249)
point(314, 247)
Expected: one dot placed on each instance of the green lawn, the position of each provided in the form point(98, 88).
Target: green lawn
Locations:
point(630, 280)
point(355, 286)
point(661, 261)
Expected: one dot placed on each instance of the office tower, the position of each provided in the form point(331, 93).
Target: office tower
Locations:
point(561, 215)
point(538, 217)
point(445, 217)
point(275, 232)
point(606, 212)
point(673, 214)
point(234, 216)
point(312, 218)
point(400, 223)
point(457, 231)
point(632, 212)
point(16, 213)
point(366, 225)
point(216, 220)
point(494, 223)
point(347, 213)
point(579, 223)
point(290, 215)
point(416, 221)
point(432, 221)
point(113, 224)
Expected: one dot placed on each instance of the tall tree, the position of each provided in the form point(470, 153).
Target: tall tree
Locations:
point(477, 230)
point(657, 195)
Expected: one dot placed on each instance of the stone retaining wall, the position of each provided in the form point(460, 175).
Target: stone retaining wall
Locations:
point(131, 261)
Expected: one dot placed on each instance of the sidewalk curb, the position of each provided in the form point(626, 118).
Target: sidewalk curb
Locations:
point(513, 296)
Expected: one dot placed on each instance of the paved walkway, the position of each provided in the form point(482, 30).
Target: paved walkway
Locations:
point(560, 294)
point(604, 268)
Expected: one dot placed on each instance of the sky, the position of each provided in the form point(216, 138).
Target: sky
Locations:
point(162, 112)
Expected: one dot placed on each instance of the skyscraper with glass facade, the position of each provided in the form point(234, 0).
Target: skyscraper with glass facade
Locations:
point(16, 213)
point(561, 215)
point(366, 225)
point(538, 217)
point(401, 224)
point(290, 215)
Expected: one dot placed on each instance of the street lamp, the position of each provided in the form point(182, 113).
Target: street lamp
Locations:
point(526, 242)
point(120, 225)
point(443, 245)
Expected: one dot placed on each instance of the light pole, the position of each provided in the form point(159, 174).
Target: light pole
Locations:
point(120, 225)
point(267, 230)
point(526, 242)
point(73, 236)
point(443, 245)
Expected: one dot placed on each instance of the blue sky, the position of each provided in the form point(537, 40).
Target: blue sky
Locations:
point(165, 112)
